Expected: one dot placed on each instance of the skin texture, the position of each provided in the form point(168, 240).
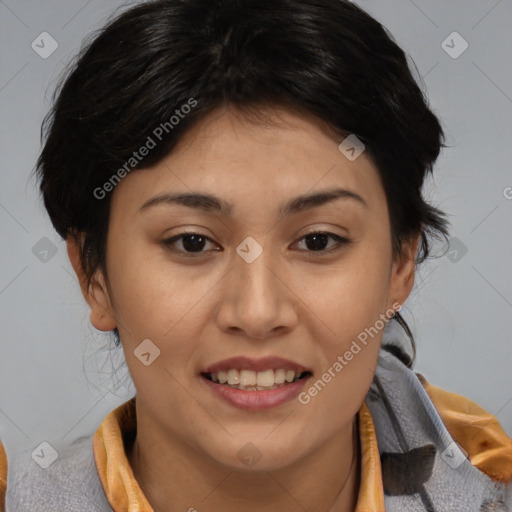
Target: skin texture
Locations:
point(291, 301)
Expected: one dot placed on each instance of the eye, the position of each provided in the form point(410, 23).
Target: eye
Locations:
point(190, 242)
point(316, 241)
point(194, 243)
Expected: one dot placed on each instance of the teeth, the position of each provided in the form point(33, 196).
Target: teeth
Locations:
point(279, 376)
point(247, 379)
point(233, 377)
point(265, 379)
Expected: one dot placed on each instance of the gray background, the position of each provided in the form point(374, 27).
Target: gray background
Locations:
point(58, 380)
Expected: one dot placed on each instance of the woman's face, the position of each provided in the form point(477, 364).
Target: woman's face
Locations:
point(251, 284)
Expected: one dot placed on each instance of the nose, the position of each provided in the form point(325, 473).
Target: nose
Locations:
point(257, 298)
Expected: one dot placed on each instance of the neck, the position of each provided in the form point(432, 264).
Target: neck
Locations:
point(175, 477)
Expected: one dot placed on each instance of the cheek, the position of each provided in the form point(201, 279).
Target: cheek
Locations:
point(347, 305)
point(142, 285)
point(160, 301)
point(350, 306)
point(350, 295)
point(335, 402)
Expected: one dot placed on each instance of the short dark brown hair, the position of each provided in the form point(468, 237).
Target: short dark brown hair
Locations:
point(327, 58)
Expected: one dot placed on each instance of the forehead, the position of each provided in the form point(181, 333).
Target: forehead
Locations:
point(246, 160)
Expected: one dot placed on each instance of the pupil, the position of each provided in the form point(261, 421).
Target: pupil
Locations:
point(319, 241)
point(193, 242)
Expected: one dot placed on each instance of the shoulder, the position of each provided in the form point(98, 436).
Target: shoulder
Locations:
point(478, 432)
point(3, 476)
point(436, 444)
point(55, 478)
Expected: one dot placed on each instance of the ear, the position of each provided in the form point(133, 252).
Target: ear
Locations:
point(96, 294)
point(403, 270)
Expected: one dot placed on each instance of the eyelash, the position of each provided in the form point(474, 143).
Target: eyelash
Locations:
point(341, 241)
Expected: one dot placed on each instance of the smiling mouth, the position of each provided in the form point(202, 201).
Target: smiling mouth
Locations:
point(256, 381)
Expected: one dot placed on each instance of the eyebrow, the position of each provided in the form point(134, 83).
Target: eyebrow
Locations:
point(211, 203)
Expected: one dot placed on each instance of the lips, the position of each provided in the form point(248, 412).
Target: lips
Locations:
point(255, 365)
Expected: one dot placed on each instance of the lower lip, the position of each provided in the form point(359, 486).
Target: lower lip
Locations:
point(256, 400)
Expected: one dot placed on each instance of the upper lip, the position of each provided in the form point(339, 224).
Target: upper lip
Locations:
point(256, 365)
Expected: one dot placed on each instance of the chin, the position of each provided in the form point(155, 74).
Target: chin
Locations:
point(256, 455)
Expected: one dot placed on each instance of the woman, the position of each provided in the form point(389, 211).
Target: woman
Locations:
point(239, 187)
